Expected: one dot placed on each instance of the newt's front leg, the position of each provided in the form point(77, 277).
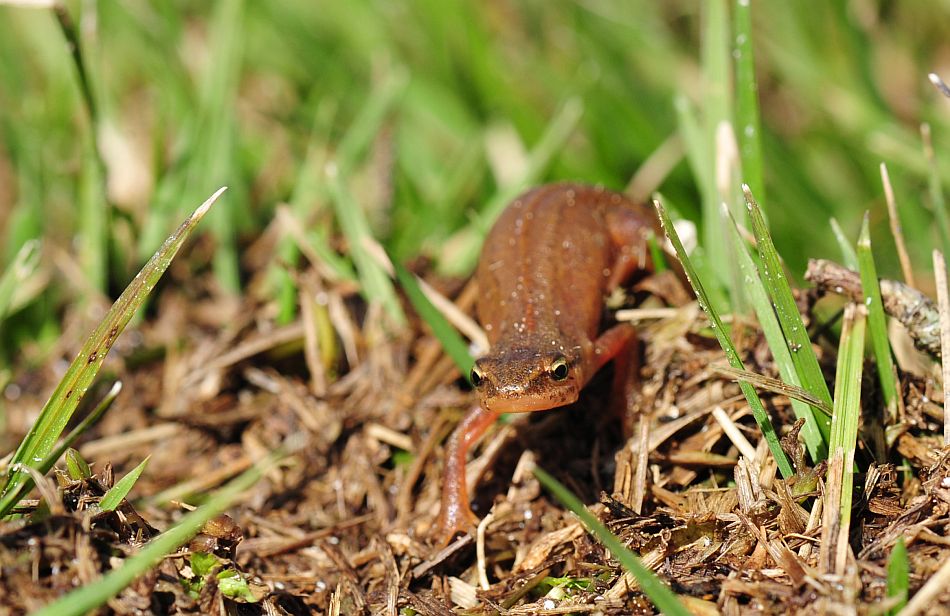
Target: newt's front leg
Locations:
point(455, 514)
point(620, 344)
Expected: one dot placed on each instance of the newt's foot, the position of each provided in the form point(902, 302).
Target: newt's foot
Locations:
point(453, 520)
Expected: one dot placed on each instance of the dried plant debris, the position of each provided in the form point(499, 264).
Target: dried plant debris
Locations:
point(343, 525)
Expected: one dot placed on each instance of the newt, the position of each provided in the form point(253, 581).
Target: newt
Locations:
point(545, 269)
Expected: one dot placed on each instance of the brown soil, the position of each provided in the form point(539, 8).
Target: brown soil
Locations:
point(342, 526)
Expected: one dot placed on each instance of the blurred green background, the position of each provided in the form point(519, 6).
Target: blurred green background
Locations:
point(429, 110)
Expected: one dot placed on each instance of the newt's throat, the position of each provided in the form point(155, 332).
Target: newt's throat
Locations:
point(518, 400)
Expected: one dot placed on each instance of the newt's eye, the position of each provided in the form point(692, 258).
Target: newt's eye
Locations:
point(476, 376)
point(559, 369)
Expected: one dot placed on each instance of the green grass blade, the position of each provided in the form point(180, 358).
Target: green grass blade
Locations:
point(848, 256)
point(697, 147)
point(451, 341)
point(310, 188)
point(898, 576)
point(716, 110)
point(11, 497)
point(659, 593)
point(94, 222)
point(761, 417)
point(461, 250)
point(747, 99)
point(366, 126)
point(376, 285)
point(76, 466)
point(114, 495)
point(215, 159)
point(847, 402)
point(306, 189)
point(42, 437)
point(935, 188)
point(796, 336)
point(877, 322)
point(816, 440)
point(657, 256)
point(24, 264)
point(91, 596)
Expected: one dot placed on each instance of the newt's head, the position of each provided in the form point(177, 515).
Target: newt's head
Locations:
point(523, 379)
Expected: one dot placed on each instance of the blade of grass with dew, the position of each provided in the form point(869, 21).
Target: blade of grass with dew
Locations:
point(24, 264)
point(659, 593)
point(877, 322)
point(747, 99)
point(62, 403)
point(848, 256)
point(11, 497)
point(376, 285)
point(847, 403)
point(796, 336)
point(95, 594)
point(761, 417)
point(815, 433)
point(114, 495)
point(898, 576)
point(460, 252)
point(451, 341)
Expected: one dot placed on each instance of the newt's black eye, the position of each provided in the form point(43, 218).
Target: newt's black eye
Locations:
point(559, 369)
point(476, 376)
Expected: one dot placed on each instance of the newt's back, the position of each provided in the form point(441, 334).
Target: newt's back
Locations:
point(547, 262)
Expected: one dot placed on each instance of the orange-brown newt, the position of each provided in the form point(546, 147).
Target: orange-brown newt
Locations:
point(546, 267)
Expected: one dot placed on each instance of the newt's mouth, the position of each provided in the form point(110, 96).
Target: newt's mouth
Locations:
point(524, 402)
